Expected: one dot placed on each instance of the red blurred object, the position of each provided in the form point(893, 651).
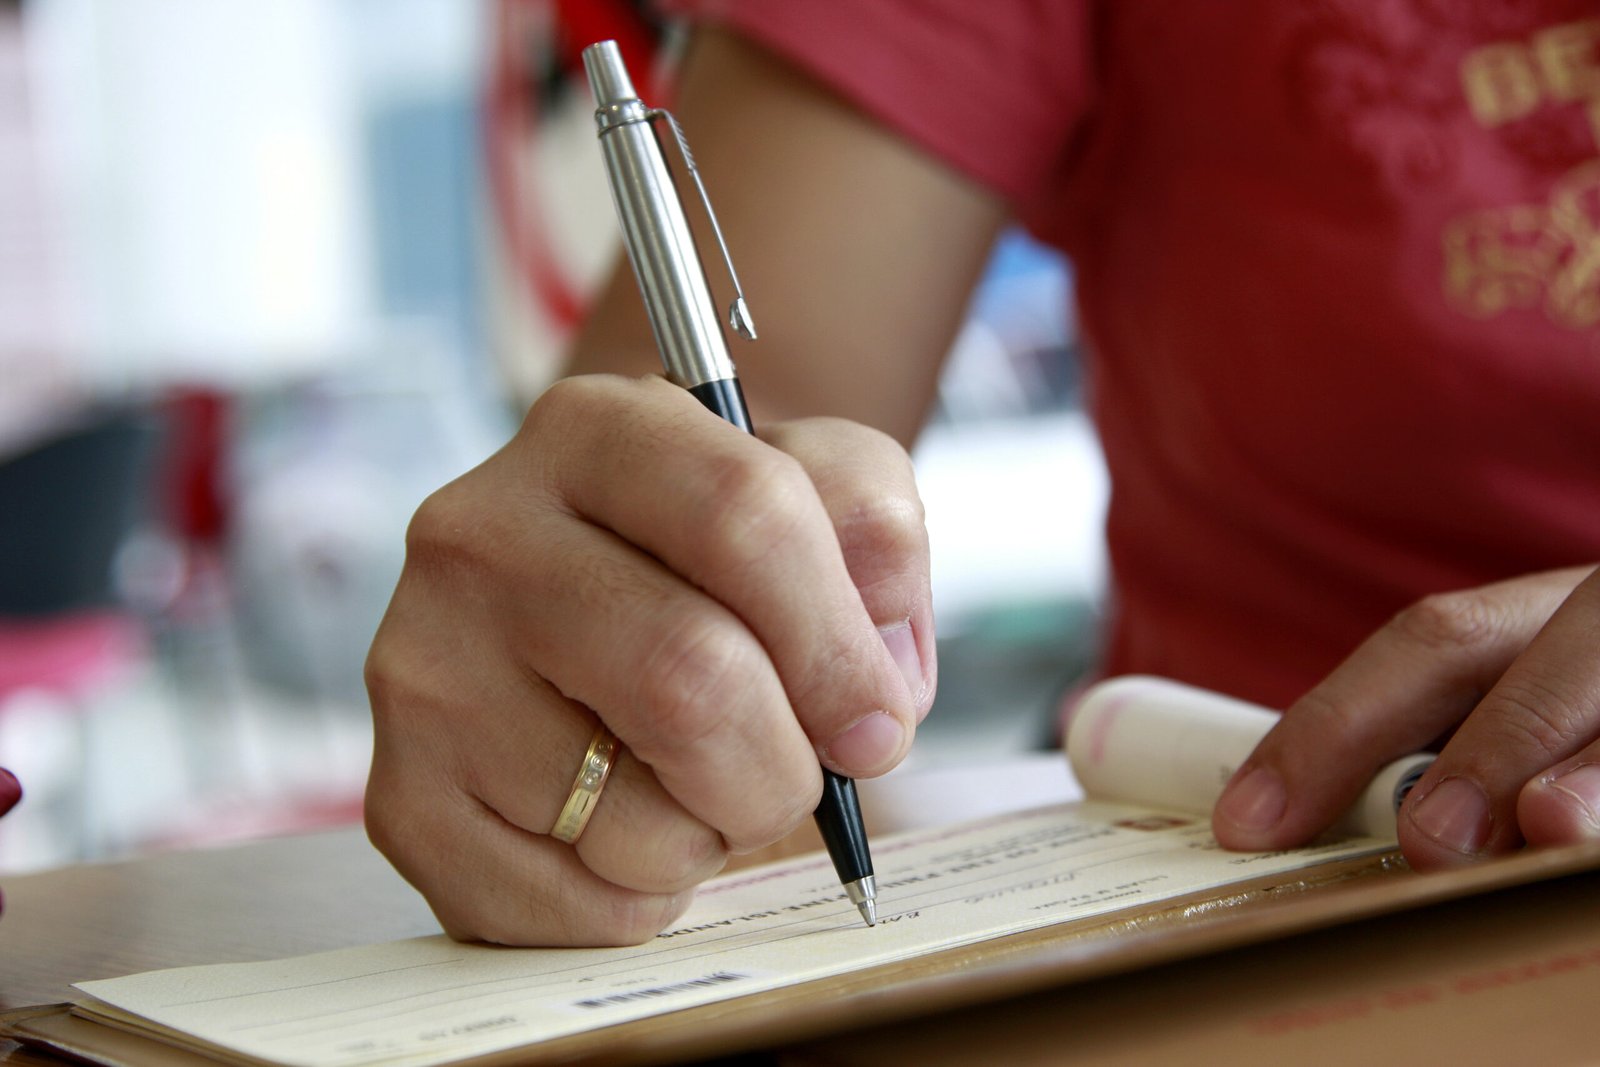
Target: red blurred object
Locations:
point(68, 653)
point(556, 32)
point(580, 23)
point(10, 790)
point(194, 465)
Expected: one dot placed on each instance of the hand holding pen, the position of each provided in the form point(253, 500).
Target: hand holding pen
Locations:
point(661, 248)
point(737, 613)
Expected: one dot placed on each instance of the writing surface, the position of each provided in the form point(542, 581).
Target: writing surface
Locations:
point(432, 1001)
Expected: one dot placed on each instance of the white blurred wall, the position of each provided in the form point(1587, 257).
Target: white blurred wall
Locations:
point(208, 183)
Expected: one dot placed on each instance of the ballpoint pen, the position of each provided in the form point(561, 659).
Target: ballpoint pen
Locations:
point(693, 350)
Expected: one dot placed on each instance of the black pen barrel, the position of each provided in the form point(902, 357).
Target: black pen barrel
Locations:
point(725, 397)
point(839, 819)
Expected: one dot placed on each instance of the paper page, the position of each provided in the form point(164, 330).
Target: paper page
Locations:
point(432, 1000)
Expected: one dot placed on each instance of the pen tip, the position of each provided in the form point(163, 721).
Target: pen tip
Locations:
point(863, 893)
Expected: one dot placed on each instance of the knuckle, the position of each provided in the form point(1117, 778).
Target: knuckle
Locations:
point(761, 499)
point(695, 678)
point(1317, 707)
point(1532, 715)
point(606, 915)
point(437, 532)
point(402, 690)
point(501, 927)
point(1319, 719)
point(380, 673)
point(811, 687)
point(457, 539)
point(866, 446)
point(681, 860)
point(870, 438)
point(407, 808)
point(778, 820)
point(639, 917)
point(439, 514)
point(384, 830)
point(543, 916)
point(791, 797)
point(879, 533)
point(1446, 621)
point(393, 670)
point(563, 402)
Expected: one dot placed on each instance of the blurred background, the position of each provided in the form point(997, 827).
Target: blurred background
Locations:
point(269, 274)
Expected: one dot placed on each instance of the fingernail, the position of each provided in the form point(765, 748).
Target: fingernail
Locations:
point(1582, 784)
point(865, 747)
point(901, 642)
point(1254, 802)
point(1455, 813)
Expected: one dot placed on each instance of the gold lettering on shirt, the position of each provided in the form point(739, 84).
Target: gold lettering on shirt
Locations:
point(1501, 83)
point(1530, 256)
point(1533, 255)
point(1574, 294)
point(1569, 60)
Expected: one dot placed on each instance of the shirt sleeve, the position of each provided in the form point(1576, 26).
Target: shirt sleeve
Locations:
point(995, 89)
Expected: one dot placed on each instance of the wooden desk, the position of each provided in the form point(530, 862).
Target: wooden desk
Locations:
point(1505, 976)
point(256, 901)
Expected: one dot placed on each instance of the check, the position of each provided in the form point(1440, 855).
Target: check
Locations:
point(434, 1001)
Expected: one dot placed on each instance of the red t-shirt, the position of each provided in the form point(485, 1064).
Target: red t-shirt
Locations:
point(1338, 265)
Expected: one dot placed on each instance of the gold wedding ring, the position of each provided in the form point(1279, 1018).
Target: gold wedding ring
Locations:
point(592, 775)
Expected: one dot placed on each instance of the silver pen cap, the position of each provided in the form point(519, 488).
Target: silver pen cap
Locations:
point(608, 76)
point(655, 230)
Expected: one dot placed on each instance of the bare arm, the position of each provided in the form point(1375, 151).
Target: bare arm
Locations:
point(856, 249)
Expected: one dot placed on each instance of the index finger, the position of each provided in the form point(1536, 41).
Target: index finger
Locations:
point(1544, 708)
point(743, 522)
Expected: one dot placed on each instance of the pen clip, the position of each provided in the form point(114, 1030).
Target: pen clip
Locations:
point(738, 311)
